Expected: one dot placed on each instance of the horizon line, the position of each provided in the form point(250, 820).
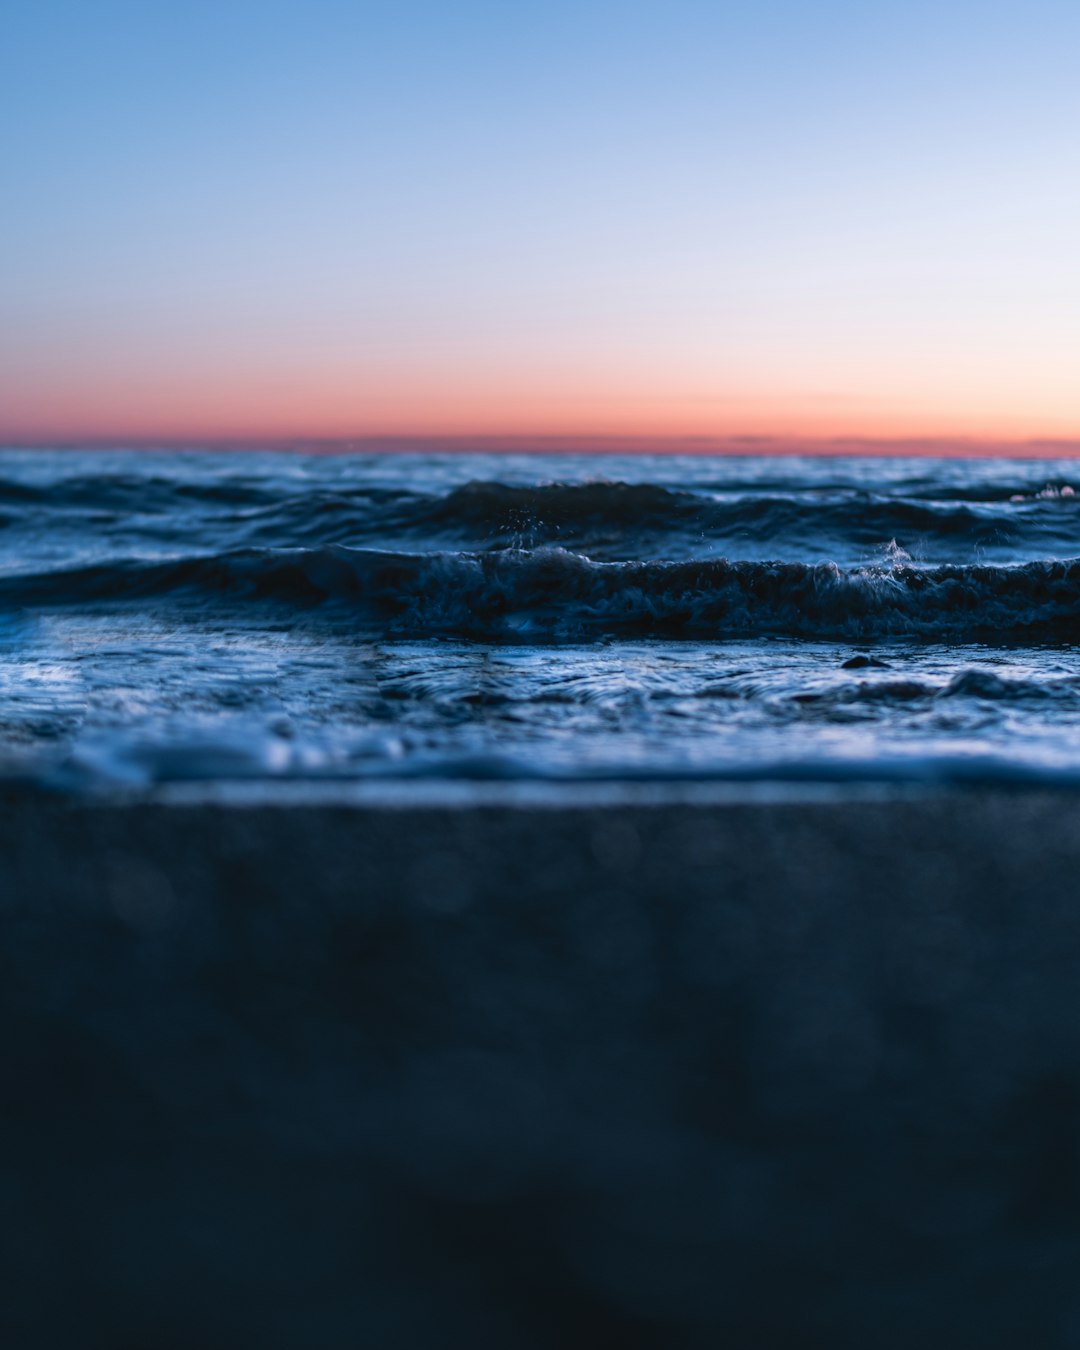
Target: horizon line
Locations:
point(749, 444)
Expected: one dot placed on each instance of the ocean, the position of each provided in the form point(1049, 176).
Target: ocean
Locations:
point(492, 900)
point(276, 616)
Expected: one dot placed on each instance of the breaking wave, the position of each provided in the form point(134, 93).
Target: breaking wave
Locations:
point(553, 594)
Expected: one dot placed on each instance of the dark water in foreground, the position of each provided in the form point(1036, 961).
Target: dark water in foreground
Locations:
point(202, 616)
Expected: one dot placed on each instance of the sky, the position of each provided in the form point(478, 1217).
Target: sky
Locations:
point(635, 221)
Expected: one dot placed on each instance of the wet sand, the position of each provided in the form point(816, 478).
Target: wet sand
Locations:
point(525, 1066)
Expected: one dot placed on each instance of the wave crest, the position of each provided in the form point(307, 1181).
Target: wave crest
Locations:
point(550, 593)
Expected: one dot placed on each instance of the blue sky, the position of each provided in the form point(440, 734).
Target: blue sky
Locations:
point(827, 219)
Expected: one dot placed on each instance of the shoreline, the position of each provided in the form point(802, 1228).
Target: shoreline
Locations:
point(412, 1065)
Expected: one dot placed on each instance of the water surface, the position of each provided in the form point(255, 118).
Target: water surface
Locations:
point(203, 616)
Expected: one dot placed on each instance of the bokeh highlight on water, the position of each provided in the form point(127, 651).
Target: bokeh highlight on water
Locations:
point(216, 616)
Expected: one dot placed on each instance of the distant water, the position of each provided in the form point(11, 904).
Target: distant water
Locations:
point(200, 616)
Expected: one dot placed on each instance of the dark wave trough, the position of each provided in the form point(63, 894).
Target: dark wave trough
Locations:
point(799, 517)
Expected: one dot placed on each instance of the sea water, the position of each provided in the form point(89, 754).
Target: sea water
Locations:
point(206, 616)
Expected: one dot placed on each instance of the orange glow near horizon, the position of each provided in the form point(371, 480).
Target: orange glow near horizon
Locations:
point(664, 397)
point(589, 380)
point(336, 406)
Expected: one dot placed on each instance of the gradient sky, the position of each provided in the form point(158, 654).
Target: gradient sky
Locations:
point(329, 219)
